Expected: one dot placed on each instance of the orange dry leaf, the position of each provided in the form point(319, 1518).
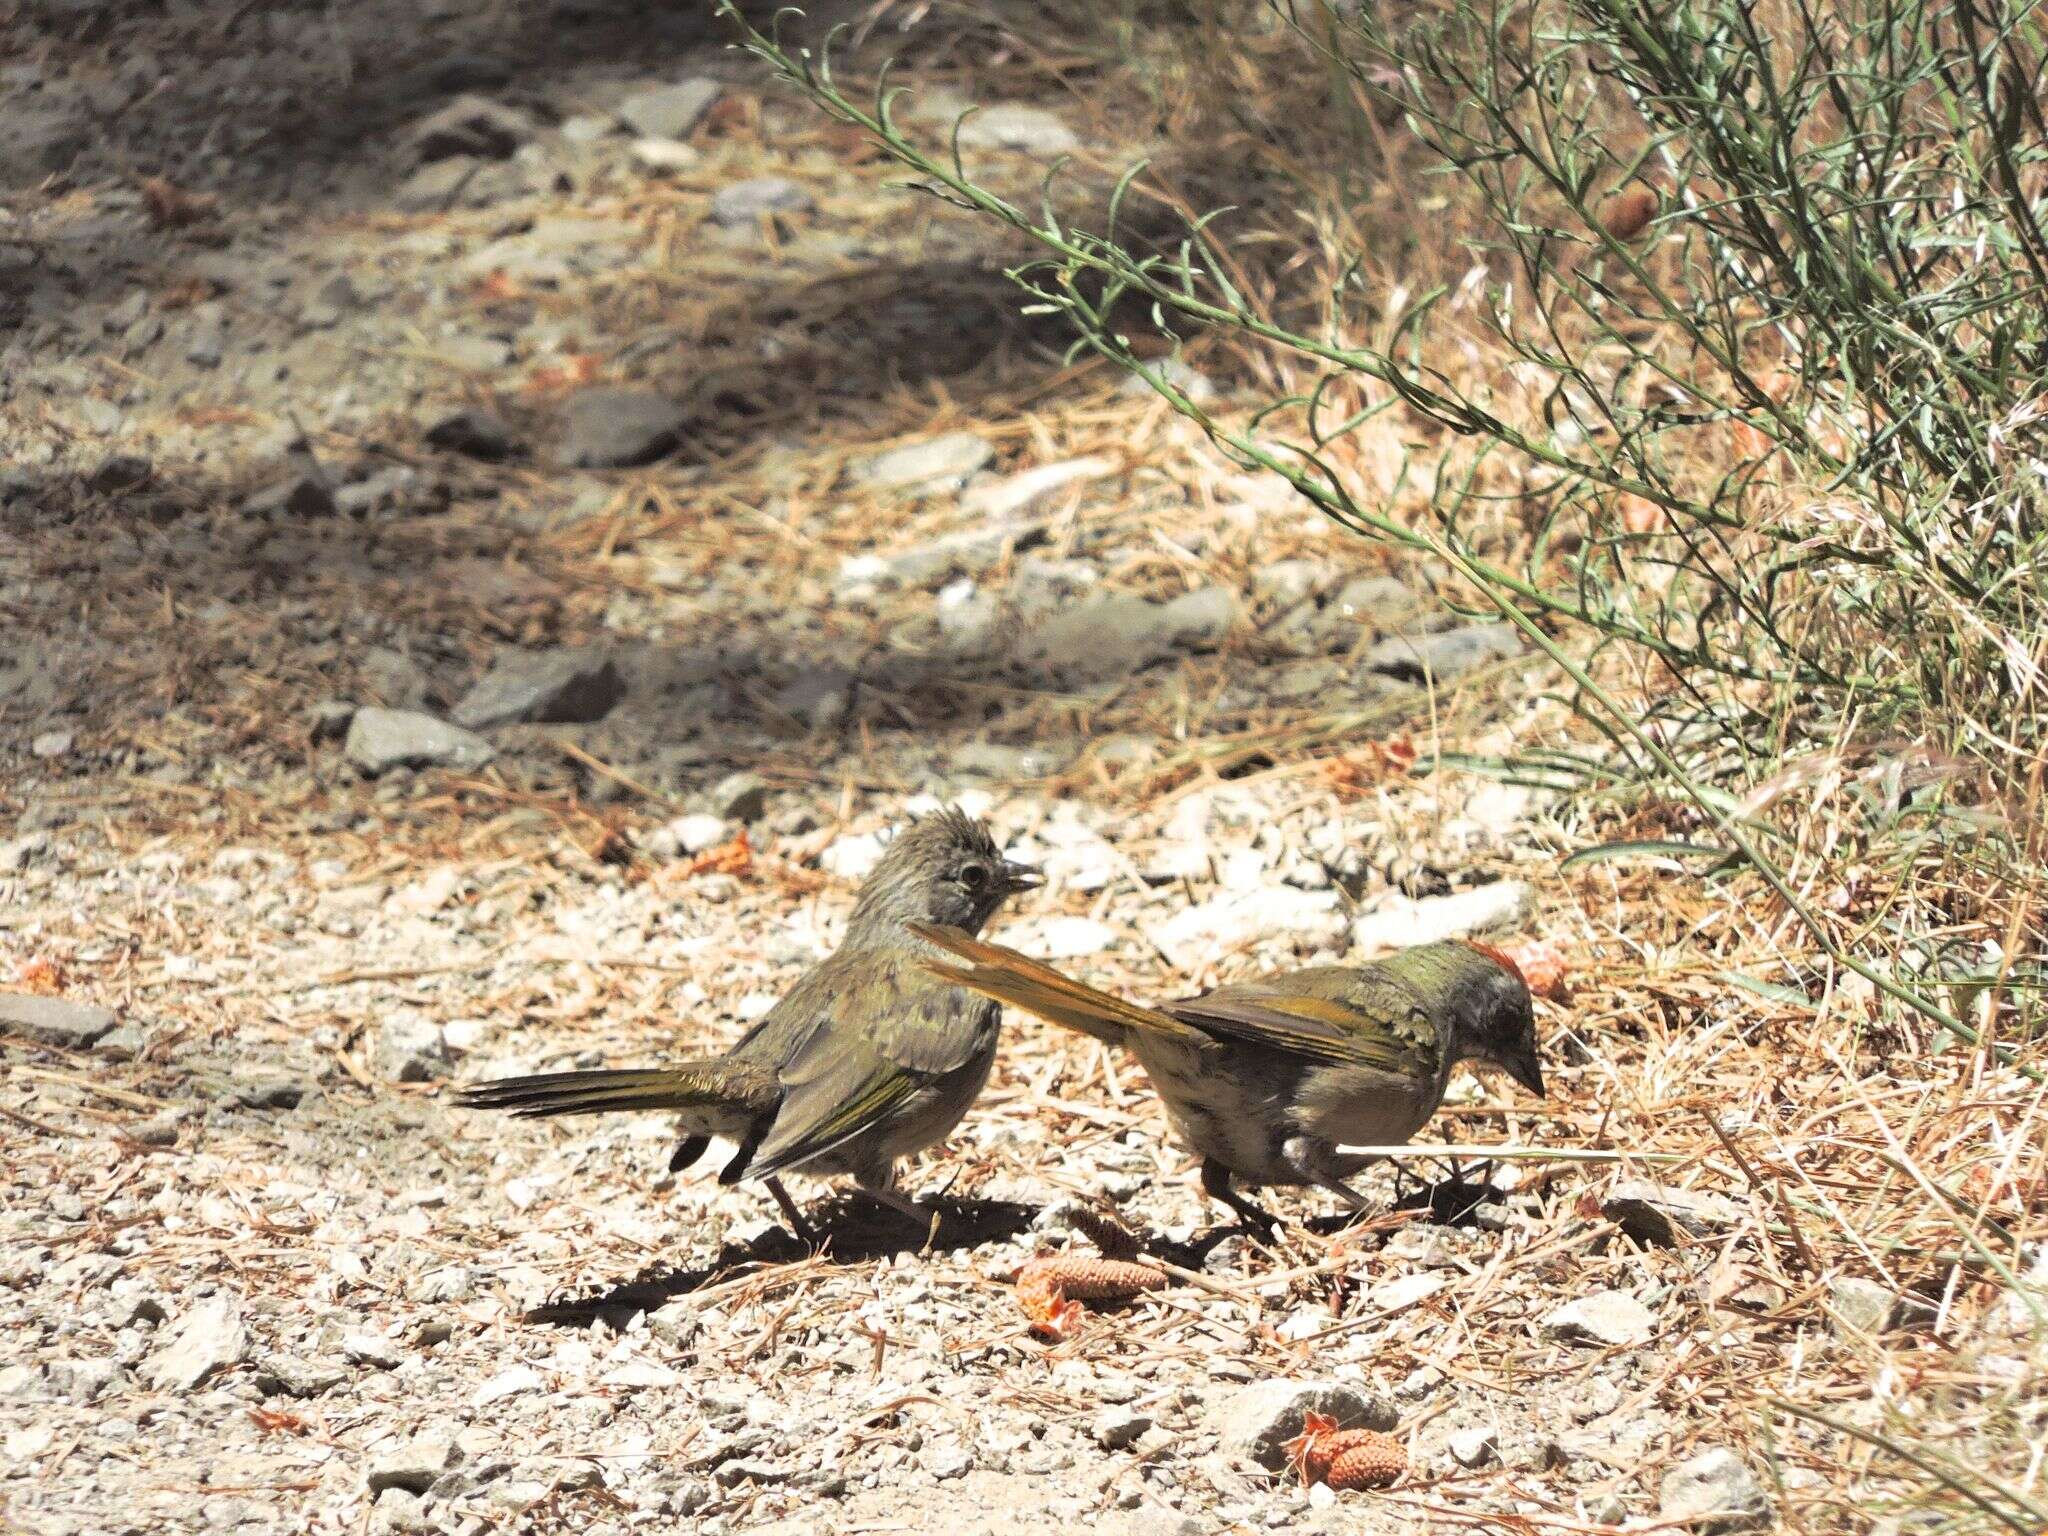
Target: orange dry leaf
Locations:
point(1628, 213)
point(577, 369)
point(730, 113)
point(1052, 1287)
point(1357, 773)
point(172, 207)
point(1345, 1458)
point(42, 976)
point(1542, 966)
point(733, 858)
point(1639, 514)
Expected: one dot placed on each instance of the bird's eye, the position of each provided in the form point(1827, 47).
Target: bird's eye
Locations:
point(974, 876)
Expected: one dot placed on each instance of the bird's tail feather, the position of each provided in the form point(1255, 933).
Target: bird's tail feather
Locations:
point(1021, 982)
point(726, 1094)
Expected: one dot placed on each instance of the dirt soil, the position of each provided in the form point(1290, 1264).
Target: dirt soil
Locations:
point(349, 354)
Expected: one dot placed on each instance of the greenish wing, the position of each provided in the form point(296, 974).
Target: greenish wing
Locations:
point(876, 1043)
point(1331, 1014)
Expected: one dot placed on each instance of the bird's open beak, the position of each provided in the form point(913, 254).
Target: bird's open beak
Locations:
point(1525, 1069)
point(1020, 877)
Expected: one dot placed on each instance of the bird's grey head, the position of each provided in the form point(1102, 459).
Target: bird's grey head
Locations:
point(942, 868)
point(1496, 1021)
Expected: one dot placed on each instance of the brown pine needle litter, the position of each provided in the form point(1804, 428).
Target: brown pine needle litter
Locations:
point(1052, 1287)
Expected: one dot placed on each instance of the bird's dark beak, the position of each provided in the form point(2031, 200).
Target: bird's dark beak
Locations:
point(1525, 1069)
point(1020, 877)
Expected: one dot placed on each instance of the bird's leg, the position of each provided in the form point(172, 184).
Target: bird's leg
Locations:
point(880, 1184)
point(1216, 1185)
point(1314, 1161)
point(795, 1217)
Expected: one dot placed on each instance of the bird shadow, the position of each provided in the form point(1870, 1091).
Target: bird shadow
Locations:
point(852, 1230)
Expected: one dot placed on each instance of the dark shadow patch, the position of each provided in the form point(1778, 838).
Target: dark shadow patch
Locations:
point(853, 1229)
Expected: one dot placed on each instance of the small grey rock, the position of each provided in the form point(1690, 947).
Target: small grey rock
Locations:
point(52, 744)
point(410, 1049)
point(1402, 922)
point(1473, 1446)
point(120, 472)
point(1256, 1423)
point(382, 739)
point(1613, 1319)
point(413, 1464)
point(1715, 1492)
point(124, 1042)
point(470, 125)
point(745, 202)
point(291, 1376)
point(993, 760)
point(671, 111)
point(741, 796)
point(1862, 1309)
point(937, 465)
point(1659, 1215)
point(54, 1021)
point(127, 312)
point(1017, 126)
point(618, 429)
point(476, 433)
point(565, 686)
point(210, 1337)
point(268, 1090)
point(1119, 1428)
point(207, 342)
point(329, 720)
point(1183, 378)
point(332, 300)
point(1444, 656)
point(156, 1131)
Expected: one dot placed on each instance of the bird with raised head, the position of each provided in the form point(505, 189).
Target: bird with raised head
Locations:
point(869, 1058)
point(1266, 1079)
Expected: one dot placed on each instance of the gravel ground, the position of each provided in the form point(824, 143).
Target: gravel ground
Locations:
point(506, 517)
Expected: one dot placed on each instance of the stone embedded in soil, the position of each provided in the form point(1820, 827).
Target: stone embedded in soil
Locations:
point(851, 857)
point(120, 472)
point(745, 202)
point(1612, 1319)
point(1119, 1428)
point(1474, 1446)
point(55, 1021)
point(1030, 490)
point(670, 111)
point(293, 1377)
point(554, 687)
point(210, 1337)
point(413, 1464)
point(1183, 378)
point(1444, 656)
point(1402, 922)
point(380, 740)
point(995, 760)
point(1241, 917)
point(662, 156)
point(1713, 1492)
point(51, 744)
point(1067, 938)
point(1862, 1309)
point(1017, 126)
point(618, 428)
point(470, 125)
point(741, 796)
point(410, 1049)
point(688, 835)
point(1659, 1215)
point(932, 467)
point(474, 432)
point(1110, 636)
point(1256, 1423)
